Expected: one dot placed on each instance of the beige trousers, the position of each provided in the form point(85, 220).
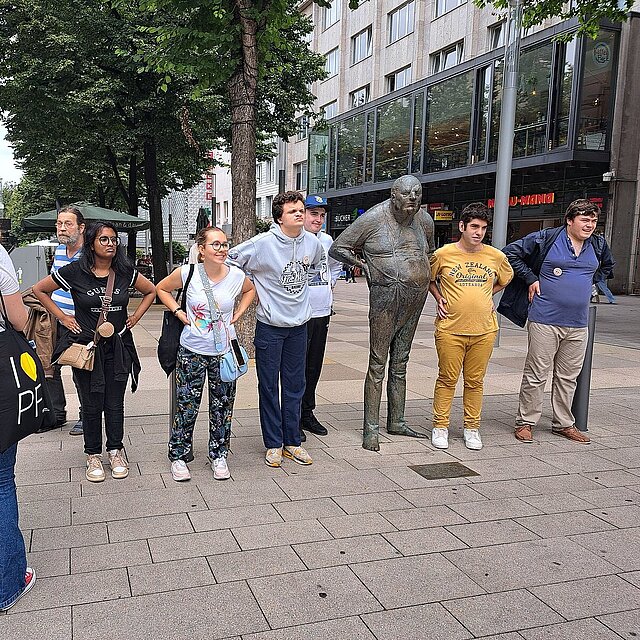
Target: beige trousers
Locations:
point(557, 349)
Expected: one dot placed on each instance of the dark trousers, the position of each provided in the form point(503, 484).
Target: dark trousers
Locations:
point(110, 402)
point(280, 361)
point(317, 329)
point(56, 389)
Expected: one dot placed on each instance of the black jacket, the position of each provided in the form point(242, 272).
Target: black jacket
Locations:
point(526, 257)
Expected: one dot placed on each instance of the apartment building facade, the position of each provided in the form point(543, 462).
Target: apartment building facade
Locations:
point(414, 87)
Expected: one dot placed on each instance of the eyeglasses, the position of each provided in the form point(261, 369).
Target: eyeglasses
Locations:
point(66, 225)
point(105, 240)
point(219, 246)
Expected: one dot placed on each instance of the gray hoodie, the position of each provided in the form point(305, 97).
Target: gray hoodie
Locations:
point(279, 267)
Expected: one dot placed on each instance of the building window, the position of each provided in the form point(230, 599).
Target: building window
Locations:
point(269, 206)
point(497, 34)
point(258, 207)
point(398, 79)
point(359, 97)
point(332, 13)
point(443, 6)
point(447, 58)
point(330, 110)
point(301, 175)
point(225, 207)
point(303, 127)
point(401, 21)
point(259, 173)
point(392, 140)
point(332, 63)
point(361, 45)
point(270, 174)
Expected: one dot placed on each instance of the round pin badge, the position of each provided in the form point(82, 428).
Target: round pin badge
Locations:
point(557, 271)
point(305, 260)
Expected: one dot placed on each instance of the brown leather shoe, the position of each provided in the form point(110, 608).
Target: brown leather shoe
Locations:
point(523, 433)
point(571, 433)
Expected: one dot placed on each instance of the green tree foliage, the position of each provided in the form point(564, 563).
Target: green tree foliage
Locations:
point(588, 12)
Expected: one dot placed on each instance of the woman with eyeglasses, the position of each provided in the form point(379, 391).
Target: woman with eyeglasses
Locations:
point(115, 359)
point(208, 329)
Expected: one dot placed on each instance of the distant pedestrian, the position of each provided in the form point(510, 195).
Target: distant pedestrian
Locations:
point(603, 288)
point(555, 270)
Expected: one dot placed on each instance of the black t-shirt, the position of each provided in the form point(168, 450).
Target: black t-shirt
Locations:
point(87, 291)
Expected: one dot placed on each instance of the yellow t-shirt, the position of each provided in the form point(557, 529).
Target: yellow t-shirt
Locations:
point(466, 281)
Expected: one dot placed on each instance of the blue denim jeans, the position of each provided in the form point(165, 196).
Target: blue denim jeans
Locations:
point(13, 559)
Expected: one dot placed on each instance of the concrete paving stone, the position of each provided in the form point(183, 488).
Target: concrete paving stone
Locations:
point(336, 485)
point(626, 457)
point(201, 613)
point(588, 629)
point(373, 502)
point(498, 509)
point(50, 563)
point(356, 525)
point(415, 623)
point(169, 576)
point(501, 612)
point(516, 468)
point(52, 491)
point(254, 564)
point(67, 537)
point(620, 547)
point(619, 478)
point(52, 624)
point(332, 553)
point(420, 541)
point(524, 564)
point(422, 517)
point(382, 462)
point(481, 534)
point(62, 591)
point(52, 476)
point(151, 527)
point(589, 597)
point(234, 517)
point(142, 504)
point(401, 582)
point(46, 465)
point(281, 533)
point(312, 596)
point(45, 514)
point(558, 503)
point(580, 462)
point(133, 483)
point(610, 497)
point(343, 629)
point(502, 489)
point(621, 517)
point(405, 478)
point(192, 545)
point(564, 524)
point(108, 556)
point(625, 624)
point(504, 636)
point(632, 576)
point(309, 509)
point(240, 493)
point(571, 482)
point(429, 497)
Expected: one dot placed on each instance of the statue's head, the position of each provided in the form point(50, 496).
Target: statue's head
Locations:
point(406, 196)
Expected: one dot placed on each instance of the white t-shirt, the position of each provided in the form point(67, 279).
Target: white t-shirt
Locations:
point(205, 334)
point(8, 279)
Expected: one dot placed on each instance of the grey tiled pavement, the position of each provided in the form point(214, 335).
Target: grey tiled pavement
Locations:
point(543, 544)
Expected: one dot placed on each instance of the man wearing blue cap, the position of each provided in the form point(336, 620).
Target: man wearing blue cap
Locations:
point(321, 300)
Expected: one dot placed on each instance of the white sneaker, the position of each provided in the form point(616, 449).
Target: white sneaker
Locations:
point(180, 471)
point(95, 470)
point(119, 464)
point(472, 439)
point(220, 469)
point(440, 438)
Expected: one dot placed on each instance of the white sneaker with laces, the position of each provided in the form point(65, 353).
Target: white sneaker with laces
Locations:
point(180, 471)
point(472, 439)
point(440, 438)
point(95, 470)
point(118, 463)
point(220, 469)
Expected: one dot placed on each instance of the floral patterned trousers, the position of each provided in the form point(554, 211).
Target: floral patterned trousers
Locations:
point(191, 369)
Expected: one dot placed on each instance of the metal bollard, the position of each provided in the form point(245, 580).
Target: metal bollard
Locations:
point(580, 404)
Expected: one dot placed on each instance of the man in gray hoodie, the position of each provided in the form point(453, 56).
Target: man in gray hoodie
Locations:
point(278, 262)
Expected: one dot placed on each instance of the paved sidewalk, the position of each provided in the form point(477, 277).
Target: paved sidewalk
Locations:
point(544, 543)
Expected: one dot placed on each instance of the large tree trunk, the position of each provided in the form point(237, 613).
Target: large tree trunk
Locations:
point(155, 211)
point(242, 94)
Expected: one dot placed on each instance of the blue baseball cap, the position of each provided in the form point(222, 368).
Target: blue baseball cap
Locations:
point(315, 201)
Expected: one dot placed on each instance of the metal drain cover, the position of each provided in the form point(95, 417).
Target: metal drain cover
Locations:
point(442, 470)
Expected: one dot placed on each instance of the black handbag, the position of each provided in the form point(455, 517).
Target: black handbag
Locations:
point(25, 405)
point(171, 330)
